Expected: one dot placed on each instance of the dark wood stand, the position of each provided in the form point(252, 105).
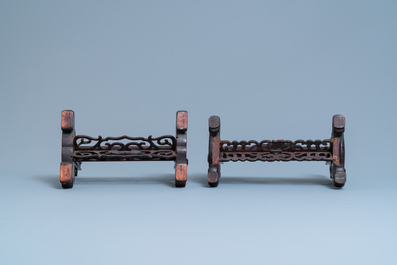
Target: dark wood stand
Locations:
point(82, 148)
point(329, 150)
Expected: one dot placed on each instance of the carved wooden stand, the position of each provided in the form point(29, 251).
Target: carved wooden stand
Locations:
point(329, 150)
point(81, 148)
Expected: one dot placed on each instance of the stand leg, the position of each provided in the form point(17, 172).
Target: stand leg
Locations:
point(214, 170)
point(181, 149)
point(68, 168)
point(337, 167)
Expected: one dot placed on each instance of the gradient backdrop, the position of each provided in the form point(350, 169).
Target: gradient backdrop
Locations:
point(269, 69)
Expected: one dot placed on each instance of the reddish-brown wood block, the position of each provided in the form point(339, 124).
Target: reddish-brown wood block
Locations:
point(67, 175)
point(181, 172)
point(67, 120)
point(181, 120)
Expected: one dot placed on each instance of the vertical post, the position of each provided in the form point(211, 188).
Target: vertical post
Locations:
point(181, 149)
point(68, 168)
point(337, 167)
point(214, 170)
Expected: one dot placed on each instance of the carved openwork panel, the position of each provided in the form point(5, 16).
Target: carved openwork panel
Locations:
point(124, 148)
point(276, 150)
point(124, 143)
point(115, 155)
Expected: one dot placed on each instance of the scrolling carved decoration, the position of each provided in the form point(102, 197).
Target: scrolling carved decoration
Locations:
point(272, 150)
point(124, 148)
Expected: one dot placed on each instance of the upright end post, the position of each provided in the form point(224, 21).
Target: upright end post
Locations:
point(68, 167)
point(181, 149)
point(337, 168)
point(214, 169)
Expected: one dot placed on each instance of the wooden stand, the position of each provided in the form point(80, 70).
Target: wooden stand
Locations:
point(81, 148)
point(329, 150)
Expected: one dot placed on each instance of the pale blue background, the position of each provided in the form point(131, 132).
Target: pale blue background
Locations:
point(269, 69)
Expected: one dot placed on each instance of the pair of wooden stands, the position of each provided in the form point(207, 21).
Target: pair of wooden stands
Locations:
point(82, 148)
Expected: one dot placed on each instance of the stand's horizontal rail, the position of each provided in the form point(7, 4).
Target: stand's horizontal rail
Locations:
point(116, 155)
point(276, 146)
point(276, 150)
point(124, 143)
point(270, 157)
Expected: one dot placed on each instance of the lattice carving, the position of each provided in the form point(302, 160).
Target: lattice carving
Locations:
point(84, 142)
point(276, 150)
point(276, 145)
point(115, 155)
